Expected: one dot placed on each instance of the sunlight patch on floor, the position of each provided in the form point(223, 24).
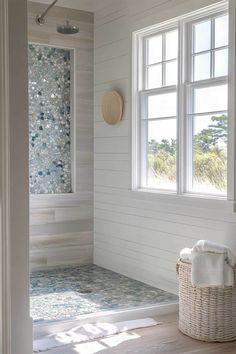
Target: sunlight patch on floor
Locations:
point(104, 344)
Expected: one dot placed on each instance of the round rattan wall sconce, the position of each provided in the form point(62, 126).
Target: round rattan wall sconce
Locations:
point(112, 107)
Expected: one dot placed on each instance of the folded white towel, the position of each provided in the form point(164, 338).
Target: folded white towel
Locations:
point(211, 264)
point(211, 269)
point(209, 246)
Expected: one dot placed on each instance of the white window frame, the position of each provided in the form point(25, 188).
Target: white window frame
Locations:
point(183, 84)
point(190, 85)
point(145, 93)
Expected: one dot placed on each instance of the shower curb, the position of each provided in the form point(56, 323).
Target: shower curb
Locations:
point(52, 327)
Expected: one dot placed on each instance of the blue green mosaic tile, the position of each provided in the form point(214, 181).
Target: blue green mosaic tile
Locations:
point(49, 119)
point(66, 293)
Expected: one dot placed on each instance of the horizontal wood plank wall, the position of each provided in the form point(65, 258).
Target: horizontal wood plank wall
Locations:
point(135, 234)
point(61, 227)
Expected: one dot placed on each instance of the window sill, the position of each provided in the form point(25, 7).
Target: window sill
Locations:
point(190, 200)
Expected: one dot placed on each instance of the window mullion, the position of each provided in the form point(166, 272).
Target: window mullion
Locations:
point(188, 107)
point(144, 65)
point(184, 69)
point(212, 48)
point(159, 90)
point(163, 59)
point(189, 141)
point(143, 140)
point(208, 82)
point(145, 153)
point(180, 142)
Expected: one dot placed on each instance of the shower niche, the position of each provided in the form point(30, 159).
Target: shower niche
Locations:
point(50, 123)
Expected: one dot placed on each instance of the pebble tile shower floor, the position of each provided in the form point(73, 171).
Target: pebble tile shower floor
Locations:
point(65, 293)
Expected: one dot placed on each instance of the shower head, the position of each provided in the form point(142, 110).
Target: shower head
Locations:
point(67, 29)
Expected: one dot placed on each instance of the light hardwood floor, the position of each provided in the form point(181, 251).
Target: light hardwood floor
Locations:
point(162, 339)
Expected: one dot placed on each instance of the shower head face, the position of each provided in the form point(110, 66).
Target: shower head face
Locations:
point(67, 29)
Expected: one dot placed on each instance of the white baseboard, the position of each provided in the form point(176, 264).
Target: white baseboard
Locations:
point(41, 330)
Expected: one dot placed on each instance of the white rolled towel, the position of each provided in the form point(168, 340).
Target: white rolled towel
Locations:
point(186, 254)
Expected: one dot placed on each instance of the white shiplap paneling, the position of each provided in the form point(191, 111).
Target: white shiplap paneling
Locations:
point(137, 234)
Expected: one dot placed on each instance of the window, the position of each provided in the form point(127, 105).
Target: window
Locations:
point(49, 120)
point(180, 110)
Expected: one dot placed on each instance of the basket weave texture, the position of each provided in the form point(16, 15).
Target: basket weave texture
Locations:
point(207, 314)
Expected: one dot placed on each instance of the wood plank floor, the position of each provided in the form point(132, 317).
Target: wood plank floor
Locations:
point(162, 339)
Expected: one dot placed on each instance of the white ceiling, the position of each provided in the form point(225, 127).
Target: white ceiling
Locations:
point(85, 5)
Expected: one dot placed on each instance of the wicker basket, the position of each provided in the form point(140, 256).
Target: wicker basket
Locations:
point(207, 314)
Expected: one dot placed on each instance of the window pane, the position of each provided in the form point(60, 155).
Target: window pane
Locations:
point(221, 31)
point(202, 36)
point(202, 66)
point(154, 76)
point(210, 154)
point(221, 62)
point(162, 154)
point(210, 99)
point(154, 49)
point(171, 73)
point(171, 45)
point(49, 120)
point(163, 105)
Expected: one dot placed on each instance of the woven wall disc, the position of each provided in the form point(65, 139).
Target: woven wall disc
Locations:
point(112, 107)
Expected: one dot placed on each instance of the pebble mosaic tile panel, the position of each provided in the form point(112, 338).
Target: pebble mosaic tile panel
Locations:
point(49, 119)
point(66, 293)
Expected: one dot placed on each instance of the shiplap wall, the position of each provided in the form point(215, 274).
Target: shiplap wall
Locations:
point(137, 234)
point(61, 227)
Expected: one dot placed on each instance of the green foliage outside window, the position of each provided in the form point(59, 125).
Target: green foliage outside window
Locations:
point(209, 157)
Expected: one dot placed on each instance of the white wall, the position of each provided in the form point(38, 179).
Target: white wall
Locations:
point(61, 227)
point(137, 234)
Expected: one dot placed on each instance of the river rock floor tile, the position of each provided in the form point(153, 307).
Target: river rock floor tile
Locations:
point(65, 293)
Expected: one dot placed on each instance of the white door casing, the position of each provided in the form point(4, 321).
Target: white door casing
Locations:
point(5, 337)
point(15, 322)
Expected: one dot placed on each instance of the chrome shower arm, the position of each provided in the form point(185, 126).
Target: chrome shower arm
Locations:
point(40, 18)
